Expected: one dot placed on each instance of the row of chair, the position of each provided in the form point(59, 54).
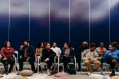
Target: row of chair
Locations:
point(57, 62)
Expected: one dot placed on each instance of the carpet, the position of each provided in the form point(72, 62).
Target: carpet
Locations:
point(34, 76)
point(73, 77)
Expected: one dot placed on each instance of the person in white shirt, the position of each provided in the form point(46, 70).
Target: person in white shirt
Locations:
point(56, 49)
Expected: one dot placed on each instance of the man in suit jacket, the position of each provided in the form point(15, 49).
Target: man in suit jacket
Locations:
point(27, 54)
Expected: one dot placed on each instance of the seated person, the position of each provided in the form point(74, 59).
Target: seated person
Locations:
point(82, 47)
point(112, 57)
point(67, 53)
point(39, 49)
point(56, 49)
point(48, 56)
point(38, 52)
point(27, 54)
point(90, 56)
point(7, 53)
point(101, 49)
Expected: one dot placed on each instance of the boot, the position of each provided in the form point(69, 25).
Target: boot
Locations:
point(6, 70)
point(113, 73)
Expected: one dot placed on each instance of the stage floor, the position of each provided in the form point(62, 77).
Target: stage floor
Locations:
point(79, 75)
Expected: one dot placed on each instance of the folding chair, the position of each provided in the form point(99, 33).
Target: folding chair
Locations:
point(43, 65)
point(16, 65)
point(1, 66)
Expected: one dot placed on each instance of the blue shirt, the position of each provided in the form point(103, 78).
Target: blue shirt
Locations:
point(113, 54)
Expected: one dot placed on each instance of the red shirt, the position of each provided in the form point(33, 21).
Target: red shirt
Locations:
point(7, 53)
point(102, 50)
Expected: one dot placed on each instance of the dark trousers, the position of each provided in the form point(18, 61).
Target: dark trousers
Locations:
point(9, 61)
point(112, 63)
point(49, 64)
point(31, 62)
point(78, 59)
point(102, 61)
point(65, 61)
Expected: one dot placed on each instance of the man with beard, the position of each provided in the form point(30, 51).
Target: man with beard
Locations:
point(27, 54)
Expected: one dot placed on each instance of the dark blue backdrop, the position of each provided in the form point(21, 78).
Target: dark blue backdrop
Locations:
point(59, 29)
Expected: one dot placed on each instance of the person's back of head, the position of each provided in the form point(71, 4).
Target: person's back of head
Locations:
point(84, 44)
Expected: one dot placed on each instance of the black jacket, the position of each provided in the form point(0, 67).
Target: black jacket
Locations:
point(48, 54)
point(30, 52)
point(80, 50)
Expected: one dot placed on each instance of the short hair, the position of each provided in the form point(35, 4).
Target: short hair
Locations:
point(55, 42)
point(45, 44)
point(92, 45)
point(27, 41)
point(114, 44)
point(84, 42)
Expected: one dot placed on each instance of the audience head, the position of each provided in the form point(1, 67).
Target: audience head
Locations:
point(92, 46)
point(113, 46)
point(7, 44)
point(54, 44)
point(85, 44)
point(21, 47)
point(101, 44)
point(40, 45)
point(47, 45)
point(67, 45)
point(26, 43)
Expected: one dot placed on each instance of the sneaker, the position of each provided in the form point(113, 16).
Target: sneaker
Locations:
point(89, 73)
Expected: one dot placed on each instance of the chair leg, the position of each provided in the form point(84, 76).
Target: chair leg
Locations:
point(81, 68)
point(101, 72)
point(40, 69)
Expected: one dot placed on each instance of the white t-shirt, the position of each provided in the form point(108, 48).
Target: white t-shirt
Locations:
point(57, 50)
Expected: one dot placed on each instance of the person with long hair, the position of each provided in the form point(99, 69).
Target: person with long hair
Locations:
point(39, 49)
point(7, 53)
point(67, 54)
